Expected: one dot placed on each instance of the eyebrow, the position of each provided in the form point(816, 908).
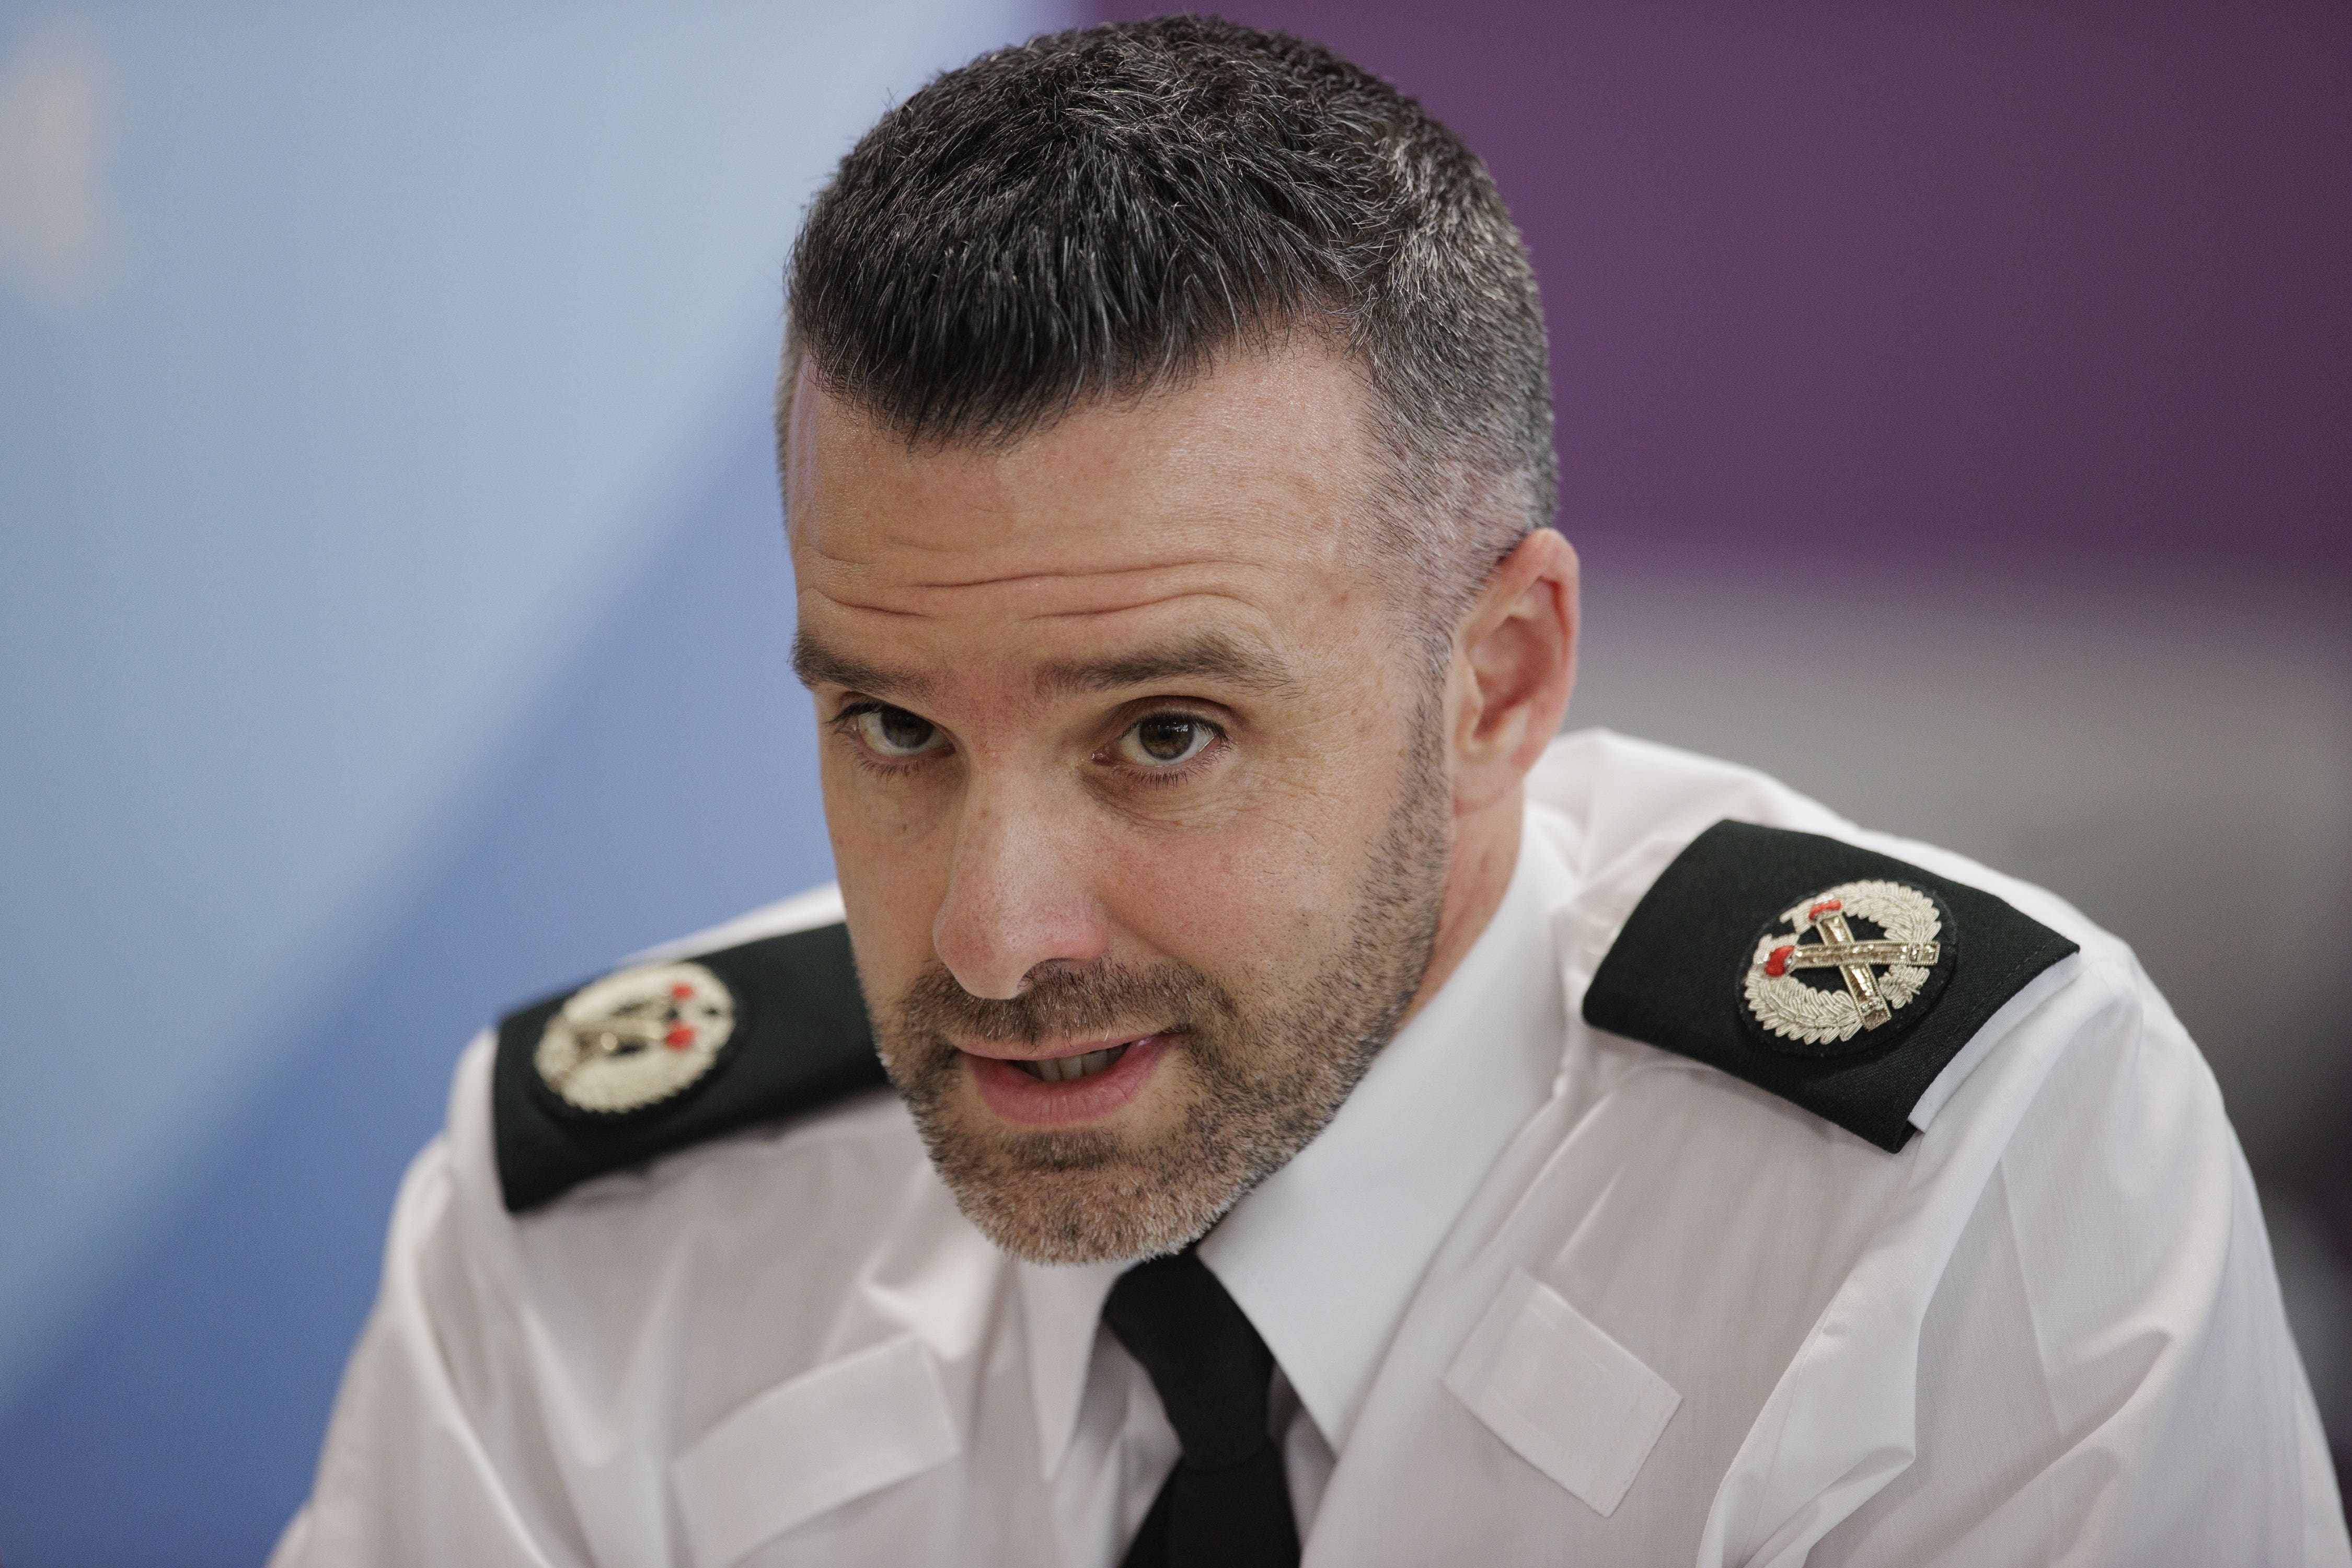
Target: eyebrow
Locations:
point(817, 665)
point(1211, 656)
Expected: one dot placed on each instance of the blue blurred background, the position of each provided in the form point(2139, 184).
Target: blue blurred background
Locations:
point(393, 606)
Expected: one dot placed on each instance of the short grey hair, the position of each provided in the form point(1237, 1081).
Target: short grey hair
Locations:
point(1106, 211)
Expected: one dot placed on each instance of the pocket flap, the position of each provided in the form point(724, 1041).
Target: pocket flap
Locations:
point(833, 1434)
point(1568, 1399)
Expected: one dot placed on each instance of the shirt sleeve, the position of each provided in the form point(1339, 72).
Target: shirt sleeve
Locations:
point(2106, 1373)
point(419, 1467)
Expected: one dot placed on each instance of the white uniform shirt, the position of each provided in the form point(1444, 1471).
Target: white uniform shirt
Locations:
point(1538, 1294)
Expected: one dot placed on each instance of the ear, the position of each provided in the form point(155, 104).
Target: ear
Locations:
point(1514, 663)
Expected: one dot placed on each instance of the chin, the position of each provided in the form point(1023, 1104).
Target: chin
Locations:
point(1081, 1199)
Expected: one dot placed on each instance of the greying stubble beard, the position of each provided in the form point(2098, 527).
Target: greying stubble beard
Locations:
point(1269, 1073)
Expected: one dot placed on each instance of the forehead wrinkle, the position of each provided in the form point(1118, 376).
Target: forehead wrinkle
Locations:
point(1050, 595)
point(866, 564)
point(1016, 579)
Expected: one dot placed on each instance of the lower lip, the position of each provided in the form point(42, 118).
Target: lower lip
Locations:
point(1016, 1095)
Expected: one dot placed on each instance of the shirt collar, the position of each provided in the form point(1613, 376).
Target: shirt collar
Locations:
point(1062, 1306)
point(1325, 1254)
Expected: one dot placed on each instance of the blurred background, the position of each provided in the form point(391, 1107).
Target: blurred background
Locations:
point(393, 606)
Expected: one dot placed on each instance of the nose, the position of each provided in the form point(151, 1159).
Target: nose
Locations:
point(1018, 894)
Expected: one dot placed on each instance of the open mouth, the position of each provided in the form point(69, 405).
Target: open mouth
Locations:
point(1069, 1069)
point(1084, 1086)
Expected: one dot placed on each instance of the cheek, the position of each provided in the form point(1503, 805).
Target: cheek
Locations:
point(891, 879)
point(1252, 895)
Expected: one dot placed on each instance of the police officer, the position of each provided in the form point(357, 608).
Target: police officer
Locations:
point(1328, 1119)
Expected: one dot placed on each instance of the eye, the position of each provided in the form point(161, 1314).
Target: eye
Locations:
point(1164, 740)
point(894, 732)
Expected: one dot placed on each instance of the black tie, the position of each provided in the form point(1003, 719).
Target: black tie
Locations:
point(1226, 1504)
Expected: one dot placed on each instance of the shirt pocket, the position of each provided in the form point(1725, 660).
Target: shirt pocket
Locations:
point(1565, 1396)
point(830, 1436)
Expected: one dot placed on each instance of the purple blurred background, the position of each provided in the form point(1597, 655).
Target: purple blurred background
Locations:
point(2003, 289)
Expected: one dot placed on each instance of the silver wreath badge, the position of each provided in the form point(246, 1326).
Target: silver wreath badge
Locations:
point(1789, 1007)
point(636, 1038)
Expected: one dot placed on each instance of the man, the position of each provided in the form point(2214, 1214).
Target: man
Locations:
point(1534, 1149)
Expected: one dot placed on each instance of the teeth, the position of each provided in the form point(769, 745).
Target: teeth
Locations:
point(1069, 1069)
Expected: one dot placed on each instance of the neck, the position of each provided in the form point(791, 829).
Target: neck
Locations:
point(1485, 849)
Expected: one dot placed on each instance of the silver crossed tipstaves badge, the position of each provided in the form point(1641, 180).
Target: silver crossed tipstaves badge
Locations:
point(1819, 938)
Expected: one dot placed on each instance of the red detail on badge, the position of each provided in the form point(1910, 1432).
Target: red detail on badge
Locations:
point(681, 991)
point(677, 1039)
point(1825, 907)
point(1779, 962)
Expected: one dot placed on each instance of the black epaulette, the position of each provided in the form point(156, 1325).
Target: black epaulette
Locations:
point(662, 1055)
point(1832, 975)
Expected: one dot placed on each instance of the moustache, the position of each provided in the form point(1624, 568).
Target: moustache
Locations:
point(1062, 1001)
